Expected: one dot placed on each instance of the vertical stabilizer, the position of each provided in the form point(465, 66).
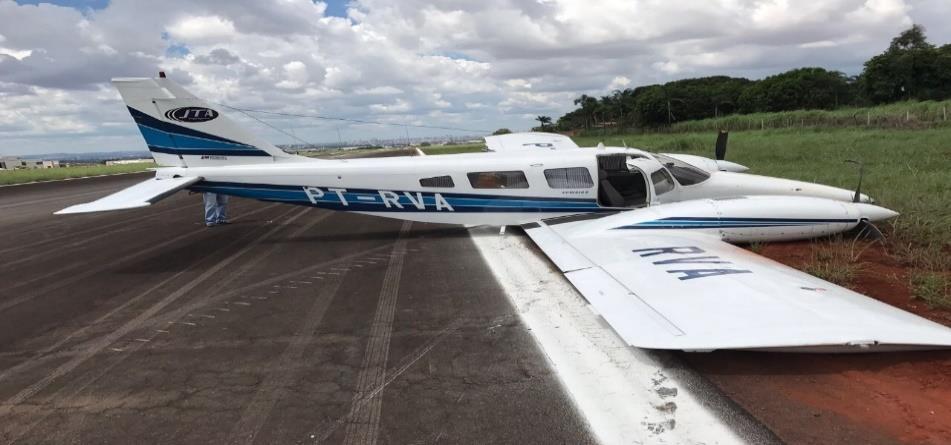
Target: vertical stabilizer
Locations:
point(182, 130)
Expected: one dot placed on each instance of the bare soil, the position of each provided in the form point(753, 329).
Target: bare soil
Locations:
point(845, 398)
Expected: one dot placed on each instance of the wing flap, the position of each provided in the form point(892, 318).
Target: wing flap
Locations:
point(670, 289)
point(140, 195)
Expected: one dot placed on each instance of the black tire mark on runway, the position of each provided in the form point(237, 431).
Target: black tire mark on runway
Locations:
point(195, 306)
point(40, 201)
point(86, 240)
point(283, 373)
point(324, 432)
point(103, 342)
point(364, 423)
point(48, 354)
point(33, 293)
point(82, 233)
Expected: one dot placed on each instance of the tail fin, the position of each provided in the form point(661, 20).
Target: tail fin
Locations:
point(182, 130)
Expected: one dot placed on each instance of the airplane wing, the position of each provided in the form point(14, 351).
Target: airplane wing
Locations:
point(140, 195)
point(676, 289)
point(529, 141)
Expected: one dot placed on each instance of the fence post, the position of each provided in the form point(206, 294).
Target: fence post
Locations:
point(762, 124)
point(944, 111)
point(907, 115)
point(868, 118)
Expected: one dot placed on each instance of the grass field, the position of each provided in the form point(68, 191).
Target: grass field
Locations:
point(8, 177)
point(453, 149)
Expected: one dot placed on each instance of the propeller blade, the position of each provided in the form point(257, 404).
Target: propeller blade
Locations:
point(867, 231)
point(858, 189)
point(721, 145)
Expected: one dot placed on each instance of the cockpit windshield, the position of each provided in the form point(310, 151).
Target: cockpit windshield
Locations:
point(685, 173)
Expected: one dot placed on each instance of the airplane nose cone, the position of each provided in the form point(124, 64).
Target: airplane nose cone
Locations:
point(728, 166)
point(875, 213)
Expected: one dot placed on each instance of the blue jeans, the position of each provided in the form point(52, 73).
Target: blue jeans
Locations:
point(216, 208)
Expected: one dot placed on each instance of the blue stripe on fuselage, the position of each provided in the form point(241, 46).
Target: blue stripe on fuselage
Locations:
point(702, 222)
point(371, 200)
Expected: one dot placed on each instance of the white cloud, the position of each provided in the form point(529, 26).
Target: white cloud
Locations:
point(202, 28)
point(487, 64)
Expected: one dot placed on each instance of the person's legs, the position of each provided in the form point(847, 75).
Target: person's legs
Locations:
point(211, 208)
point(222, 216)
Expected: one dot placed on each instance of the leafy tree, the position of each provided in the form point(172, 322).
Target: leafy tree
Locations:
point(803, 88)
point(501, 131)
point(911, 68)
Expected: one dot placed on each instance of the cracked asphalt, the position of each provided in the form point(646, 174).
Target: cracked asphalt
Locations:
point(291, 325)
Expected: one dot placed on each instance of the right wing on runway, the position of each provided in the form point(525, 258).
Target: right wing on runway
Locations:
point(140, 195)
point(677, 289)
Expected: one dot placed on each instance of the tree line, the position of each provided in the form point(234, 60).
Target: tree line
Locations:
point(910, 69)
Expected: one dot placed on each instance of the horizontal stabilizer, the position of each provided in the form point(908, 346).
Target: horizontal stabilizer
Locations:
point(140, 195)
point(529, 141)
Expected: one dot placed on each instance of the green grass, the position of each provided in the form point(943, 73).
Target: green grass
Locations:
point(933, 288)
point(453, 149)
point(899, 115)
point(8, 177)
point(837, 259)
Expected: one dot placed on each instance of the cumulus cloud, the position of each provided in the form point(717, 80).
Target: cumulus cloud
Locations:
point(486, 64)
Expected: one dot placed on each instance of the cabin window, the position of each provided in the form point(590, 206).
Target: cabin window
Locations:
point(437, 181)
point(685, 173)
point(498, 180)
point(569, 178)
point(663, 183)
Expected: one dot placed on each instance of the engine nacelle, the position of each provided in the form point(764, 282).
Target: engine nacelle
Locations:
point(749, 218)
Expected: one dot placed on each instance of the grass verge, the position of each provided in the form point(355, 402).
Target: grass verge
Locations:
point(8, 177)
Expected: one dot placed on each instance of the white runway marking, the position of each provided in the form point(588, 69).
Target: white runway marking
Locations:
point(624, 393)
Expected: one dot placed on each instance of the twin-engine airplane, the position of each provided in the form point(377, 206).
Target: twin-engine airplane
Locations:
point(643, 237)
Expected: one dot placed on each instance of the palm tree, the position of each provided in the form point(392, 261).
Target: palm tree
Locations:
point(545, 121)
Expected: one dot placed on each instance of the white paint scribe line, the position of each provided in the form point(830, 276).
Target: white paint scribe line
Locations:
point(625, 395)
point(242, 303)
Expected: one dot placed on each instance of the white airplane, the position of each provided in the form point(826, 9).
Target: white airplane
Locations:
point(643, 237)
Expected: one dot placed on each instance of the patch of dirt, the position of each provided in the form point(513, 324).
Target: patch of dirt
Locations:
point(881, 276)
point(844, 398)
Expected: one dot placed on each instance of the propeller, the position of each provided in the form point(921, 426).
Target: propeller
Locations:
point(864, 229)
point(858, 189)
point(721, 145)
point(720, 155)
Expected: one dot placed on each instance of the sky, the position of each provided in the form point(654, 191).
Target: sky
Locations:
point(478, 65)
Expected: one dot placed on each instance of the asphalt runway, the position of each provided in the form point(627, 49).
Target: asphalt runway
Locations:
point(291, 325)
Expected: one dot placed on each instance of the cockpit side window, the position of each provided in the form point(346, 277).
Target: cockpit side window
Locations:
point(498, 180)
point(437, 181)
point(663, 183)
point(685, 173)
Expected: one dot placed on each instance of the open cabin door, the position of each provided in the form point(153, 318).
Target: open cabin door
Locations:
point(620, 185)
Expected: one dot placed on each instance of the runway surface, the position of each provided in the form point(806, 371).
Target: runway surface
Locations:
point(291, 325)
point(297, 325)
